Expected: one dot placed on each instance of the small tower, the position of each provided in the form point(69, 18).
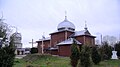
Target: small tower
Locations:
point(17, 42)
point(17, 39)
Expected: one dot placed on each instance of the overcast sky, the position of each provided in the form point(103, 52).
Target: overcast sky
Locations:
point(33, 17)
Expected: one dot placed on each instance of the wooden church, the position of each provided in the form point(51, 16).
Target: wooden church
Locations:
point(59, 43)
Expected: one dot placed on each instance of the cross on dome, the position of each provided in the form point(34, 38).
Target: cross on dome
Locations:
point(85, 25)
point(65, 16)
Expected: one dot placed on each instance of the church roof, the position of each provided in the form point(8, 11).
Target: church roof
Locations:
point(80, 33)
point(68, 42)
point(83, 32)
point(66, 25)
point(44, 39)
point(77, 33)
point(60, 31)
point(53, 48)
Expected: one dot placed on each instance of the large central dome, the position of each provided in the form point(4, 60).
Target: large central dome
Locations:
point(66, 25)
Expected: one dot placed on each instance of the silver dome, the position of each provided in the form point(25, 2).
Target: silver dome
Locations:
point(16, 34)
point(66, 25)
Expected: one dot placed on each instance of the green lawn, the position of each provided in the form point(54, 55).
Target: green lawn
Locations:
point(109, 63)
point(53, 61)
point(42, 61)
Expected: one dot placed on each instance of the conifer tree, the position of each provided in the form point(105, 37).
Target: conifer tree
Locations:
point(7, 55)
point(105, 51)
point(7, 51)
point(85, 56)
point(74, 54)
point(96, 58)
point(117, 48)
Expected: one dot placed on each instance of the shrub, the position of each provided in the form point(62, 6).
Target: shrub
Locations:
point(85, 56)
point(74, 54)
point(34, 50)
point(117, 48)
point(105, 51)
point(96, 58)
point(7, 55)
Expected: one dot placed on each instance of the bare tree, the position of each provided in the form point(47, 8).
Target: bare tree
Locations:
point(7, 52)
point(110, 39)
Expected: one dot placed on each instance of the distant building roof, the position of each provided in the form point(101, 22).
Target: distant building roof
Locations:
point(68, 41)
point(45, 39)
point(83, 32)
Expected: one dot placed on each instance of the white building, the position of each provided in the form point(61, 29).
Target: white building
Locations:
point(17, 39)
point(17, 42)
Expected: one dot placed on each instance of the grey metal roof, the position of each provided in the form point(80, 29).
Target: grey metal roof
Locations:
point(68, 41)
point(44, 39)
point(61, 31)
point(16, 34)
point(66, 24)
point(79, 32)
point(83, 32)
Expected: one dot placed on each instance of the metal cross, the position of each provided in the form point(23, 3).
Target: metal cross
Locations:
point(32, 42)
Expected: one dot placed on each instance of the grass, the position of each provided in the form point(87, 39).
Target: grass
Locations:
point(42, 61)
point(54, 61)
point(109, 63)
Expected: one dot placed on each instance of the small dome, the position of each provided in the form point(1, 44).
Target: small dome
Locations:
point(16, 34)
point(66, 25)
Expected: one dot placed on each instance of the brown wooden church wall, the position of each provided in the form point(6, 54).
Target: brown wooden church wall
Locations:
point(80, 39)
point(56, 38)
point(69, 33)
point(45, 43)
point(59, 37)
point(64, 50)
point(88, 40)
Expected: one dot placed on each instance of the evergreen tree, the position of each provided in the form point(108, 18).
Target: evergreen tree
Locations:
point(33, 50)
point(85, 56)
point(74, 54)
point(105, 51)
point(96, 58)
point(117, 48)
point(7, 55)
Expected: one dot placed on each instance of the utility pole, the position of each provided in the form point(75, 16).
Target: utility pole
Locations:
point(101, 39)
